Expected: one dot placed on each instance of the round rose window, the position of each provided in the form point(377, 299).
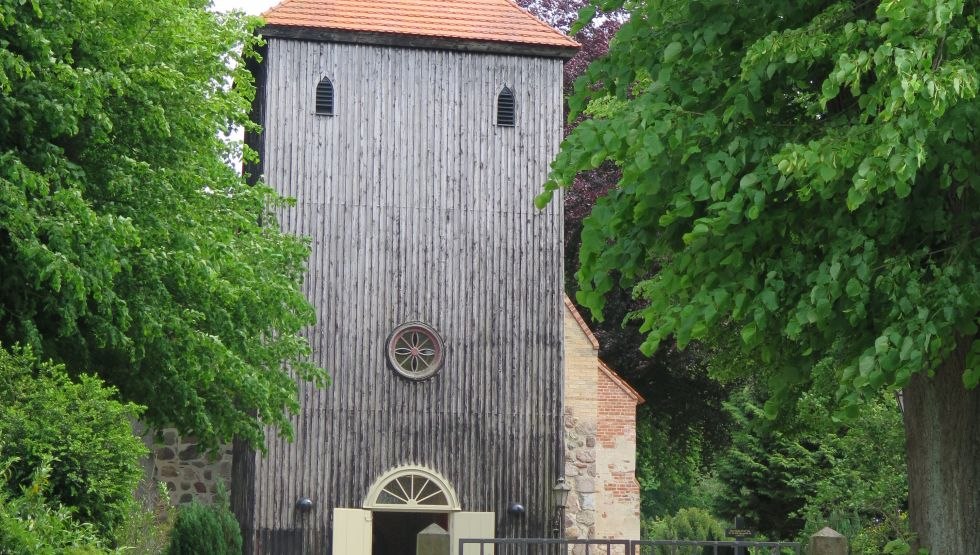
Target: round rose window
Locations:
point(415, 350)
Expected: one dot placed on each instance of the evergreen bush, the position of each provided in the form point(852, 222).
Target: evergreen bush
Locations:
point(206, 529)
point(197, 530)
point(230, 530)
point(686, 524)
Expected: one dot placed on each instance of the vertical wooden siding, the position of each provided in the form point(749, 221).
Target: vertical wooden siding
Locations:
point(418, 208)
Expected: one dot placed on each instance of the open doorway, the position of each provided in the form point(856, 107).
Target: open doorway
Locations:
point(393, 533)
point(400, 504)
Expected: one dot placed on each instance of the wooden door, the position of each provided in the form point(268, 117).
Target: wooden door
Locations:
point(471, 525)
point(351, 532)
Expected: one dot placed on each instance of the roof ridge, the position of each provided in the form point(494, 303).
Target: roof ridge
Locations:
point(494, 21)
point(281, 4)
point(540, 22)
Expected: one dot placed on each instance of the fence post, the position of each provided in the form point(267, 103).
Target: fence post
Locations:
point(827, 542)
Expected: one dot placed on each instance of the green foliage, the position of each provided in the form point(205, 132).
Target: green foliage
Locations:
point(30, 524)
point(768, 472)
point(205, 529)
point(78, 432)
point(865, 478)
point(146, 529)
point(230, 530)
point(686, 524)
point(874, 536)
point(795, 474)
point(128, 245)
point(671, 471)
point(805, 171)
point(196, 530)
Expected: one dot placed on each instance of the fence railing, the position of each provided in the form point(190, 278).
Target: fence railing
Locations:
point(684, 547)
point(555, 546)
point(542, 546)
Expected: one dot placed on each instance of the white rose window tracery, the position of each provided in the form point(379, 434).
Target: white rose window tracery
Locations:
point(415, 351)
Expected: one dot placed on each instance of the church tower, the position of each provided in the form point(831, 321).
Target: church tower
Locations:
point(414, 135)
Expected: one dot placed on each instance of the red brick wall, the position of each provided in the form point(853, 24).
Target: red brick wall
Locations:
point(600, 442)
point(616, 434)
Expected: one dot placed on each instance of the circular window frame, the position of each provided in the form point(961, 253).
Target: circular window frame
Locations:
point(397, 340)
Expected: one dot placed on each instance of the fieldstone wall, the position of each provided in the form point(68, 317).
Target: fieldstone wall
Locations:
point(580, 420)
point(580, 473)
point(187, 473)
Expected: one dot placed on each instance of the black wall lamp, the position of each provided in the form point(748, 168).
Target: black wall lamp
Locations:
point(304, 504)
point(561, 491)
point(516, 510)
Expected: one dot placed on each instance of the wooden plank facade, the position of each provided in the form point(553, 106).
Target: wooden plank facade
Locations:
point(419, 208)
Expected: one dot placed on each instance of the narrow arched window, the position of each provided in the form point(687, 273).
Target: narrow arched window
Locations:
point(505, 107)
point(324, 98)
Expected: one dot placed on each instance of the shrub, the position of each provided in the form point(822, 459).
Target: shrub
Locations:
point(686, 524)
point(206, 529)
point(889, 534)
point(196, 530)
point(146, 529)
point(78, 429)
point(32, 525)
point(230, 530)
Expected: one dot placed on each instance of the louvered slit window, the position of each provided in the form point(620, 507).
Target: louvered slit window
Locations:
point(324, 98)
point(505, 108)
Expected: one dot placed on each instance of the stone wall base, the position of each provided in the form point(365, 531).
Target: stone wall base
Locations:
point(186, 472)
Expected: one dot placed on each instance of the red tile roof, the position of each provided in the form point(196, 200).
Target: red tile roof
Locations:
point(476, 20)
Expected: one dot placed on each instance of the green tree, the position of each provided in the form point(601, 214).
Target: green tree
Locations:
point(806, 172)
point(768, 472)
point(128, 245)
point(795, 474)
point(673, 469)
point(865, 478)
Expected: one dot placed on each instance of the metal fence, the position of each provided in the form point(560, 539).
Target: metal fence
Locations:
point(544, 546)
point(684, 547)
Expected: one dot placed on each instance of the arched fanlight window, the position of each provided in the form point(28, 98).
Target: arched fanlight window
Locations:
point(412, 488)
point(324, 98)
point(505, 107)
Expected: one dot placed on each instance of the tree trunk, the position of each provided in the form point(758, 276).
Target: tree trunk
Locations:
point(942, 431)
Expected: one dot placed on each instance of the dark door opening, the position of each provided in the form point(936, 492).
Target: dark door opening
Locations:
point(394, 533)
